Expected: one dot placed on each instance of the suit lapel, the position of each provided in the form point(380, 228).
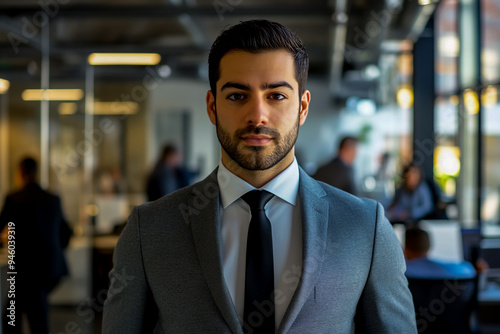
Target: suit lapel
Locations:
point(314, 228)
point(204, 218)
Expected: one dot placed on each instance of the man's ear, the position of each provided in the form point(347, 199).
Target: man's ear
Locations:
point(211, 107)
point(304, 106)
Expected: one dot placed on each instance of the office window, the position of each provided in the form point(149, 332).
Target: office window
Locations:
point(490, 108)
point(447, 152)
point(490, 53)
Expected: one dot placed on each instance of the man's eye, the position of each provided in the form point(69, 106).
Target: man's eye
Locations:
point(277, 97)
point(236, 97)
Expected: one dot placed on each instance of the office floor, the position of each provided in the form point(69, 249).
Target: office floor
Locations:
point(70, 319)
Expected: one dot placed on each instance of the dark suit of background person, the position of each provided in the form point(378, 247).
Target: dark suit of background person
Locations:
point(453, 284)
point(168, 174)
point(171, 260)
point(339, 171)
point(39, 257)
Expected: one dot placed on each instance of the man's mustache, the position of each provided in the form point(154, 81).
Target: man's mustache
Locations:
point(258, 130)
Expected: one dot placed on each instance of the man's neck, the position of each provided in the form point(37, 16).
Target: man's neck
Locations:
point(257, 178)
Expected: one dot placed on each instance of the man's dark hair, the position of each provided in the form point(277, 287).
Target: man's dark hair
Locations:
point(347, 141)
point(29, 168)
point(168, 150)
point(258, 36)
point(417, 240)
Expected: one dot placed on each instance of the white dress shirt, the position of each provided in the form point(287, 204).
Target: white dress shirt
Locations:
point(284, 213)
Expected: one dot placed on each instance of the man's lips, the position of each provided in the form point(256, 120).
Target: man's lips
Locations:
point(256, 140)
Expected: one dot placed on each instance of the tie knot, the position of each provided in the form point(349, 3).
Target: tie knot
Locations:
point(257, 199)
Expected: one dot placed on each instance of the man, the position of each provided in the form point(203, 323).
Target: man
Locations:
point(37, 220)
point(168, 174)
point(329, 262)
point(418, 265)
point(339, 172)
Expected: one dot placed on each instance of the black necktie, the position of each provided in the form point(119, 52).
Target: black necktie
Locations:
point(259, 277)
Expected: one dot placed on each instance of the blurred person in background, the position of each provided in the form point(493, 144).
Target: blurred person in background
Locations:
point(41, 234)
point(413, 199)
point(418, 265)
point(339, 172)
point(168, 174)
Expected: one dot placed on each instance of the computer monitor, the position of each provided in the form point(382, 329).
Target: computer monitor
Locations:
point(446, 240)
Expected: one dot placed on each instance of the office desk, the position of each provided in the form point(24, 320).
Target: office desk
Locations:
point(489, 297)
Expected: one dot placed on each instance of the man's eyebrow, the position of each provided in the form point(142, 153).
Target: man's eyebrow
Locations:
point(235, 85)
point(276, 85)
point(263, 87)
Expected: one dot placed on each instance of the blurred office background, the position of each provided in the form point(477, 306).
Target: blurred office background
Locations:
point(413, 80)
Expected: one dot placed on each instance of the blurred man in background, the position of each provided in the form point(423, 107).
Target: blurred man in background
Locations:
point(41, 233)
point(339, 172)
point(168, 174)
point(418, 265)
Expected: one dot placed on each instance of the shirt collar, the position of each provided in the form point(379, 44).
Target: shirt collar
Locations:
point(285, 185)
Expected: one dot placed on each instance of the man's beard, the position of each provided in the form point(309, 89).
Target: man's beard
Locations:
point(253, 157)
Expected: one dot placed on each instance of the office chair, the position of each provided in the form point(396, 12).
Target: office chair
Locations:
point(443, 306)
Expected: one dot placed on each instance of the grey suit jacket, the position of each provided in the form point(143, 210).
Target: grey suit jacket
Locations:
point(168, 268)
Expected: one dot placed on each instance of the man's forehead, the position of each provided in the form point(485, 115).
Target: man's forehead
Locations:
point(263, 70)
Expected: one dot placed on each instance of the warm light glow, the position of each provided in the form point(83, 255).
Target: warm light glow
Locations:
point(52, 94)
point(447, 160)
point(489, 96)
point(448, 46)
point(471, 102)
point(489, 57)
point(92, 210)
point(67, 108)
point(115, 108)
point(124, 59)
point(405, 96)
point(450, 187)
point(454, 100)
point(424, 2)
point(4, 86)
point(490, 206)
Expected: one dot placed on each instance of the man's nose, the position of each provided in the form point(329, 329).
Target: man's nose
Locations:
point(258, 111)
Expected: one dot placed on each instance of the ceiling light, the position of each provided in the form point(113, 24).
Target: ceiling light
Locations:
point(67, 108)
point(115, 108)
point(4, 86)
point(52, 94)
point(124, 59)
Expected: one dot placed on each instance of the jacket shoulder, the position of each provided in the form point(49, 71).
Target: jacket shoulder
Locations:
point(177, 202)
